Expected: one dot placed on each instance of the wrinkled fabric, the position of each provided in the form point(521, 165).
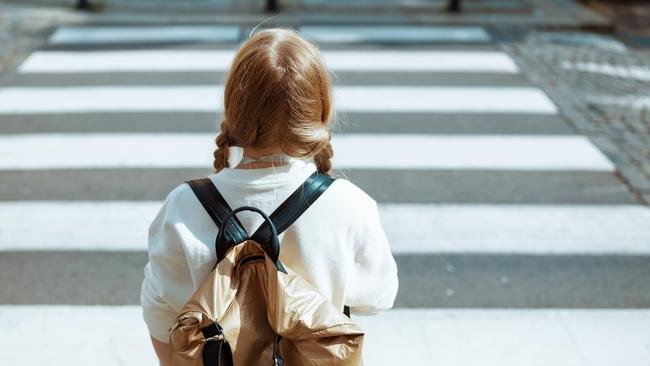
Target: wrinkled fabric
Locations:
point(253, 301)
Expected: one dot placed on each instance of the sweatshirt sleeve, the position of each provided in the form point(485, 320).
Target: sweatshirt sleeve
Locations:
point(166, 273)
point(373, 284)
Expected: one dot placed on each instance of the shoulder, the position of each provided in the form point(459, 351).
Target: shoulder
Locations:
point(180, 213)
point(344, 197)
point(179, 191)
point(179, 202)
point(359, 212)
point(349, 197)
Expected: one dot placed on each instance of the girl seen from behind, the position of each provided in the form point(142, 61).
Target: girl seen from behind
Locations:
point(275, 133)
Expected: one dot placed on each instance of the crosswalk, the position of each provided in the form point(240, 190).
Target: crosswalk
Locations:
point(535, 251)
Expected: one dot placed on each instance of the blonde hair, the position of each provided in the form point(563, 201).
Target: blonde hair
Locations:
point(278, 94)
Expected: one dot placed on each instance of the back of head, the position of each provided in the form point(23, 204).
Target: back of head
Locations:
point(277, 95)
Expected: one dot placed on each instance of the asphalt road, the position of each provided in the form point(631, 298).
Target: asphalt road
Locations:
point(580, 240)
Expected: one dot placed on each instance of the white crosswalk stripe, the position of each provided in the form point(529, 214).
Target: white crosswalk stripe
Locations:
point(220, 60)
point(443, 337)
point(599, 250)
point(512, 229)
point(390, 99)
point(135, 34)
point(535, 152)
point(392, 33)
point(120, 34)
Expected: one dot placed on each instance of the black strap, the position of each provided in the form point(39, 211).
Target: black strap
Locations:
point(277, 359)
point(294, 206)
point(271, 247)
point(282, 217)
point(346, 311)
point(216, 349)
point(218, 209)
point(212, 330)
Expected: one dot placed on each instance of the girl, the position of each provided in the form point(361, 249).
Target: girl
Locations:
point(278, 105)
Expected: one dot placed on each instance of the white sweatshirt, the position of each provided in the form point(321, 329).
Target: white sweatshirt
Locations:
point(337, 244)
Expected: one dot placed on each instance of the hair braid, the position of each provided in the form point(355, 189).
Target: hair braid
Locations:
point(221, 154)
point(323, 158)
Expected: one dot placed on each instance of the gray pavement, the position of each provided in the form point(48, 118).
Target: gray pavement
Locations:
point(349, 122)
point(211, 78)
point(387, 186)
point(426, 281)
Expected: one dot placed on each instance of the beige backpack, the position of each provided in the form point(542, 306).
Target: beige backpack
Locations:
point(251, 310)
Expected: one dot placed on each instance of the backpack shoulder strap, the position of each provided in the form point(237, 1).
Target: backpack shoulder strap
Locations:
point(297, 203)
point(282, 217)
point(294, 206)
point(217, 207)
